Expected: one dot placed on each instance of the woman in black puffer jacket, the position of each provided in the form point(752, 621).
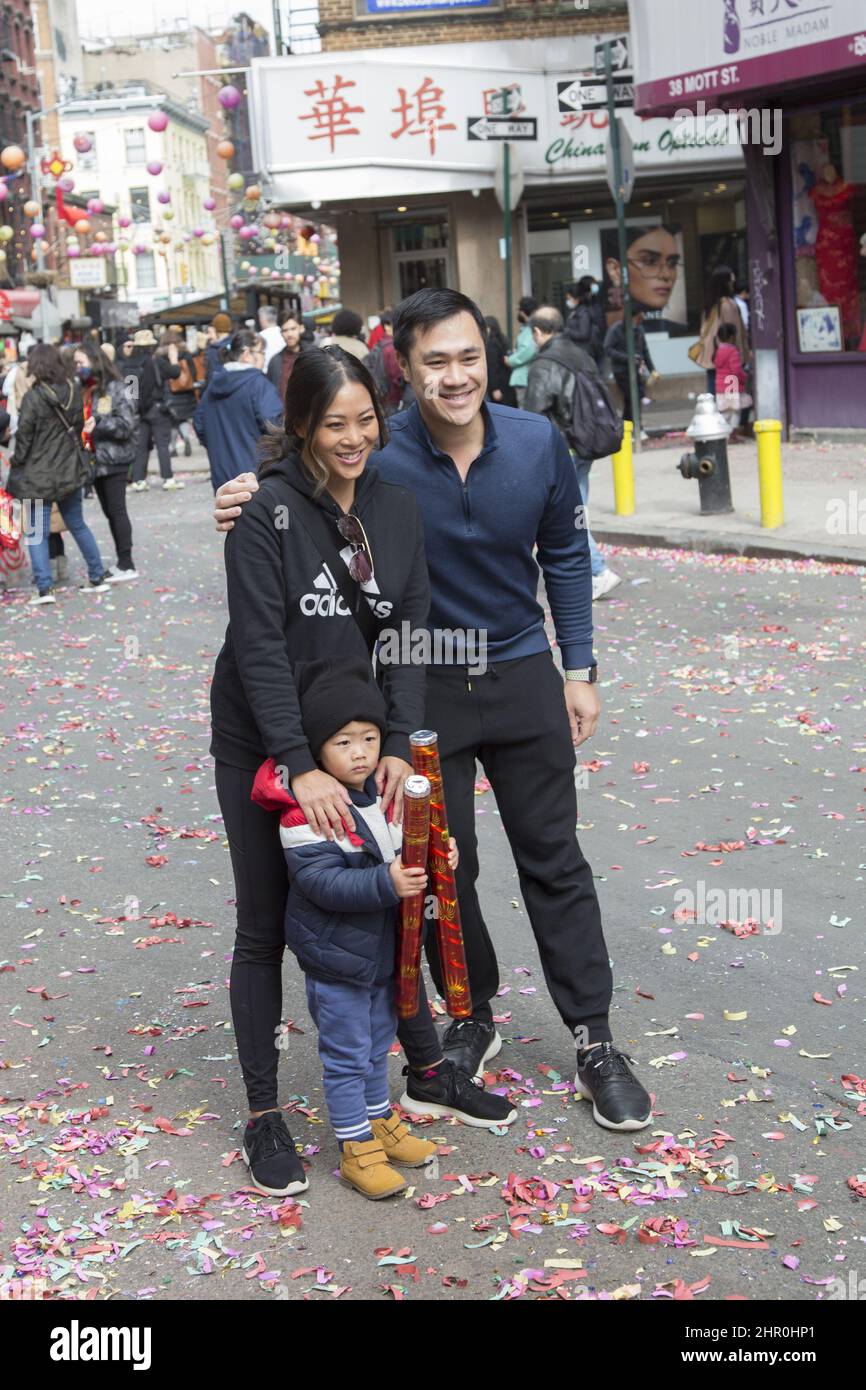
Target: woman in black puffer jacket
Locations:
point(111, 430)
point(48, 466)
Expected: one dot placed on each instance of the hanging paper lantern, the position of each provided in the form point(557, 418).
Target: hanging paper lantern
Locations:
point(31, 208)
point(208, 239)
point(285, 221)
point(95, 206)
point(66, 184)
point(247, 233)
point(82, 226)
point(209, 204)
point(271, 219)
point(4, 192)
point(100, 236)
point(123, 245)
point(73, 250)
point(225, 149)
point(157, 120)
point(138, 249)
point(168, 214)
point(13, 158)
point(198, 231)
point(124, 221)
point(163, 196)
point(37, 230)
point(235, 181)
point(83, 143)
point(6, 233)
point(154, 167)
point(236, 221)
point(228, 97)
point(252, 193)
point(253, 270)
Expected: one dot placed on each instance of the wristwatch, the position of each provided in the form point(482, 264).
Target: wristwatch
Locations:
point(583, 673)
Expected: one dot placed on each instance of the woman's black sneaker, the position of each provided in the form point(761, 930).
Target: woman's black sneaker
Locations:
point(619, 1101)
point(446, 1090)
point(269, 1153)
point(469, 1044)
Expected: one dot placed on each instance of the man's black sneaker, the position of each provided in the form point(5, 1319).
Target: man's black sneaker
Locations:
point(269, 1153)
point(469, 1044)
point(450, 1091)
point(619, 1101)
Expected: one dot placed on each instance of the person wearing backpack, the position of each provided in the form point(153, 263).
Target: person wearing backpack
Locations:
point(384, 368)
point(564, 385)
point(584, 325)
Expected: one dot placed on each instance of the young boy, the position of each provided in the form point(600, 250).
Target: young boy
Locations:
point(341, 922)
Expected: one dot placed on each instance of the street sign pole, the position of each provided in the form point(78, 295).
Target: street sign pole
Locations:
point(506, 227)
point(623, 245)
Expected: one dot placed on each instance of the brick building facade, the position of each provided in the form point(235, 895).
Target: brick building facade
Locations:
point(19, 92)
point(344, 24)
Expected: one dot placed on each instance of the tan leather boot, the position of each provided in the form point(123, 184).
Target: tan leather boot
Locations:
point(364, 1166)
point(400, 1144)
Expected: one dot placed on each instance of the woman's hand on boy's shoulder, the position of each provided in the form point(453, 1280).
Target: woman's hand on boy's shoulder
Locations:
point(230, 498)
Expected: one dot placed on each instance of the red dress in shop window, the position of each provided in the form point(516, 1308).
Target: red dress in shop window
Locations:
point(836, 252)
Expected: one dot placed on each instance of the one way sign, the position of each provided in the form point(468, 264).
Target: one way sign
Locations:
point(501, 128)
point(582, 94)
point(619, 55)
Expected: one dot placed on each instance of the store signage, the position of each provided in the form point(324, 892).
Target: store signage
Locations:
point(412, 6)
point(720, 48)
point(87, 273)
point(398, 122)
point(584, 94)
point(501, 128)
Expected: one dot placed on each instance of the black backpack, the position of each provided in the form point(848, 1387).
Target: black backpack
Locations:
point(596, 426)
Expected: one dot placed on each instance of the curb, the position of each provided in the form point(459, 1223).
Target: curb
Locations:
point(728, 545)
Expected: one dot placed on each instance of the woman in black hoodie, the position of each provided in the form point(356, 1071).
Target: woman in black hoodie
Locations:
point(323, 557)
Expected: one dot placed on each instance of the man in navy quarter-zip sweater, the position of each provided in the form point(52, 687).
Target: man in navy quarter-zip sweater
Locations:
point(492, 484)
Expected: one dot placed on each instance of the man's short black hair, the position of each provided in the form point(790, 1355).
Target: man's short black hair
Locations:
point(425, 308)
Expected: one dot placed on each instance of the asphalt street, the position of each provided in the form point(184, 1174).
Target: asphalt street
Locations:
point(731, 755)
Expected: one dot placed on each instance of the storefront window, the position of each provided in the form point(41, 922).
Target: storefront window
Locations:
point(828, 167)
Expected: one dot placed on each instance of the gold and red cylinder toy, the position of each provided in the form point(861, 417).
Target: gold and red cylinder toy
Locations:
point(410, 928)
point(425, 760)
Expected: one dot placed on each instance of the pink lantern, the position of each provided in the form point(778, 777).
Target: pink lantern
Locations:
point(157, 120)
point(236, 221)
point(163, 196)
point(73, 251)
point(209, 204)
point(229, 97)
point(253, 270)
point(95, 205)
point(198, 231)
point(124, 221)
point(66, 184)
point(4, 192)
point(247, 233)
point(285, 221)
point(37, 231)
point(83, 143)
point(154, 167)
point(138, 249)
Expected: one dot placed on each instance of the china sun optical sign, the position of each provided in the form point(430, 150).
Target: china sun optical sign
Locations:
point(720, 48)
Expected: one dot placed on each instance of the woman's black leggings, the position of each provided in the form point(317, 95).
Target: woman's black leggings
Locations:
point(261, 888)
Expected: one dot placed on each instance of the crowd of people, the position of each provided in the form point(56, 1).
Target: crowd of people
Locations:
point(230, 392)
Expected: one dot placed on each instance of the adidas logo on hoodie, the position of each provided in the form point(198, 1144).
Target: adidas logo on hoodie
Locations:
point(328, 602)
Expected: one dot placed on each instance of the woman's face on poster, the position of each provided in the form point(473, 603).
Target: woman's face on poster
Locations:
point(653, 266)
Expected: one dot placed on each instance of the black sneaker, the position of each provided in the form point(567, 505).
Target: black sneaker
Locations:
point(619, 1101)
point(269, 1153)
point(469, 1044)
point(96, 586)
point(450, 1091)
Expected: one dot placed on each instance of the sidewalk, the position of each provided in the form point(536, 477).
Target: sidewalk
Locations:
point(824, 498)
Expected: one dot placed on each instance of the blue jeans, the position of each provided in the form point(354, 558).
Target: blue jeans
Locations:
point(356, 1029)
point(72, 511)
point(711, 380)
point(581, 468)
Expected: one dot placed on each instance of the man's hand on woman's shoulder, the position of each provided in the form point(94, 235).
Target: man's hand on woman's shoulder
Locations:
point(229, 499)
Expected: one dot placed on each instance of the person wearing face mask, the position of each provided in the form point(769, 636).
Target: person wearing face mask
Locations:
point(111, 434)
point(234, 411)
point(524, 348)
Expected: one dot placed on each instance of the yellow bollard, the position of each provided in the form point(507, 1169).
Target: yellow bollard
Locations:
point(769, 435)
point(623, 474)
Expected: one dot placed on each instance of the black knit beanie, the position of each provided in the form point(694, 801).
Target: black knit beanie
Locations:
point(334, 692)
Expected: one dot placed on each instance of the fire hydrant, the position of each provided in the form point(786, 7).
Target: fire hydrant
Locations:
point(709, 462)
